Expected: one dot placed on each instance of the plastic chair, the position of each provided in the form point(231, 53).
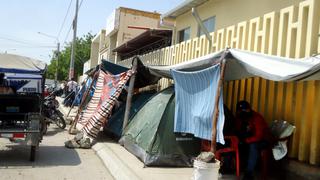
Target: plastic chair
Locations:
point(281, 131)
point(265, 155)
point(234, 142)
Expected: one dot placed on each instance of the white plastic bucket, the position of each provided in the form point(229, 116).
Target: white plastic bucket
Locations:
point(205, 171)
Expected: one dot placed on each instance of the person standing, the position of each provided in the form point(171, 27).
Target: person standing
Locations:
point(72, 89)
point(72, 85)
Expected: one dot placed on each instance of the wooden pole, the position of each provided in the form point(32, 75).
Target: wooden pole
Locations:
point(75, 121)
point(130, 93)
point(216, 103)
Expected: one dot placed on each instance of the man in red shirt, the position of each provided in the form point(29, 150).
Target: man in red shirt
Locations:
point(253, 134)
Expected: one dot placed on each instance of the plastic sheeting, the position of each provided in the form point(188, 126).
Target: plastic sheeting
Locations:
point(195, 102)
point(143, 75)
point(10, 63)
point(244, 64)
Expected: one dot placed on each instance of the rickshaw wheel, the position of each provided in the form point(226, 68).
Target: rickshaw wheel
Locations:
point(61, 123)
point(33, 153)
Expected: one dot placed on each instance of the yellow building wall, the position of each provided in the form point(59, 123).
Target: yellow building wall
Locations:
point(290, 32)
point(229, 12)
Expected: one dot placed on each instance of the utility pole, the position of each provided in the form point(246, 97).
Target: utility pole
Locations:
point(71, 70)
point(57, 64)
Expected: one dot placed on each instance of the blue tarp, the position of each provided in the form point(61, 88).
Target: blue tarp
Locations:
point(113, 68)
point(195, 96)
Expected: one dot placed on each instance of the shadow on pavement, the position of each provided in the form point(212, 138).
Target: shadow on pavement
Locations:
point(18, 155)
point(107, 137)
point(54, 130)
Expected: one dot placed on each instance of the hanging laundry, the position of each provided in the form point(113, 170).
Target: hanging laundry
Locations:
point(195, 96)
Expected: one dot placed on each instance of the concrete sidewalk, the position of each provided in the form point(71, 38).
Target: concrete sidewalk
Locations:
point(125, 166)
point(65, 110)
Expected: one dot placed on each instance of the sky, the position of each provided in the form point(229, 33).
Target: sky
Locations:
point(22, 20)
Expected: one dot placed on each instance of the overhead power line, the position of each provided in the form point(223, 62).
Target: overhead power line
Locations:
point(66, 37)
point(35, 47)
point(23, 42)
point(80, 4)
point(64, 20)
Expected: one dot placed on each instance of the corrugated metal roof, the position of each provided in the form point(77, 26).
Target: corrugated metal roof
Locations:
point(183, 8)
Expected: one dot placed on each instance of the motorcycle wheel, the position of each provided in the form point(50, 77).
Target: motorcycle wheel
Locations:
point(33, 153)
point(60, 122)
point(44, 128)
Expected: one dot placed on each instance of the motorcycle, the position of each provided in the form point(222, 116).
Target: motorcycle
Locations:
point(52, 113)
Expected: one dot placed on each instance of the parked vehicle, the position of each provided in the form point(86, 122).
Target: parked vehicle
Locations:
point(21, 97)
point(52, 113)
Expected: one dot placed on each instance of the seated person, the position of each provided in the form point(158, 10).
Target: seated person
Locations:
point(253, 134)
point(3, 88)
point(6, 90)
point(228, 130)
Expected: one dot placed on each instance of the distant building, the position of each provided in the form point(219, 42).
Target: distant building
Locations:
point(86, 66)
point(123, 24)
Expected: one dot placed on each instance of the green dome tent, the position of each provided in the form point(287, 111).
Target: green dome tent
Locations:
point(150, 136)
point(114, 125)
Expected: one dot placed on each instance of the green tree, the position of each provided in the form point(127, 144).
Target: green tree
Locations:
point(82, 54)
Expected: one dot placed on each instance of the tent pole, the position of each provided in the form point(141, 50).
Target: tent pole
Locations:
point(216, 105)
point(130, 93)
point(72, 128)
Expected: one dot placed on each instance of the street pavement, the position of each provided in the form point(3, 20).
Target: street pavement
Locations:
point(53, 160)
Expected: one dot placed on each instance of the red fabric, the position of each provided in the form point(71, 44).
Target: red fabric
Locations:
point(45, 93)
point(258, 128)
point(233, 148)
point(205, 145)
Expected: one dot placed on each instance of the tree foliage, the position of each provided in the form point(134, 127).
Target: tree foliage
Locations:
point(83, 46)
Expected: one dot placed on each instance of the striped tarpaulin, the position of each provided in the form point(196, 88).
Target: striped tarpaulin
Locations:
point(93, 104)
point(113, 86)
point(195, 96)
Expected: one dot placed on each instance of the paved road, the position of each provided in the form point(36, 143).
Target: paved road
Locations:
point(53, 161)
